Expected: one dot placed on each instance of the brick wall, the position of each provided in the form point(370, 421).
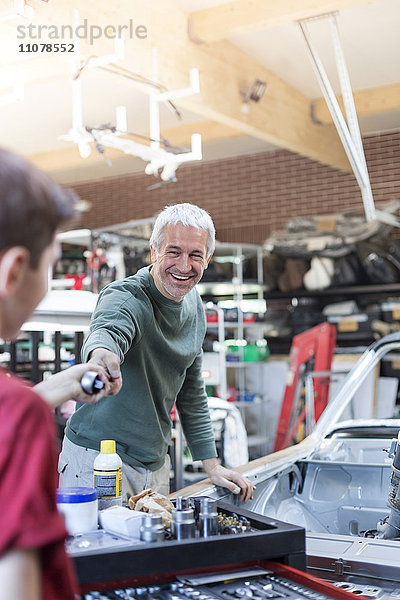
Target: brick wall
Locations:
point(250, 196)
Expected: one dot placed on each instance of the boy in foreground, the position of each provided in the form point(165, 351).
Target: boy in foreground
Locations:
point(33, 562)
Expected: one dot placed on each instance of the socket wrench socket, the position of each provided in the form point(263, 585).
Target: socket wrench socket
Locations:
point(208, 518)
point(183, 525)
point(152, 528)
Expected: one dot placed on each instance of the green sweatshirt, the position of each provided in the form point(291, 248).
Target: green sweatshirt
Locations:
point(159, 342)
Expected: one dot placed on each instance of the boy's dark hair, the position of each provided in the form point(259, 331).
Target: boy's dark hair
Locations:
point(32, 206)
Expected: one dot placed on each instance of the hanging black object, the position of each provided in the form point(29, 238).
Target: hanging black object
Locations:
point(380, 265)
point(348, 271)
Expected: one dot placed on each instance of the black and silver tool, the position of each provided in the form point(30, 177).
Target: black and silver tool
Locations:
point(91, 383)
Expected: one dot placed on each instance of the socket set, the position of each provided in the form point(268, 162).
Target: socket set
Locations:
point(199, 517)
point(269, 586)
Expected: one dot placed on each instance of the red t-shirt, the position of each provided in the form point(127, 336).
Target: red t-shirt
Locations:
point(28, 480)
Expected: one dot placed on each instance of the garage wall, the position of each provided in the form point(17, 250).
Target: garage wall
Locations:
point(249, 196)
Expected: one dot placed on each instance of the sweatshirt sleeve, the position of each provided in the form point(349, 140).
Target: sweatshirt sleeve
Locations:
point(114, 324)
point(192, 406)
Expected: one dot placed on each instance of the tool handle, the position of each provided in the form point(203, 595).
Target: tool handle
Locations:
point(91, 382)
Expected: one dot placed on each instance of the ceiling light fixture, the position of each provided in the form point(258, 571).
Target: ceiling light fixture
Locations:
point(254, 93)
point(160, 162)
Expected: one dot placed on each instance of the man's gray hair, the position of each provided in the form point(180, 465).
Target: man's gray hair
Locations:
point(189, 215)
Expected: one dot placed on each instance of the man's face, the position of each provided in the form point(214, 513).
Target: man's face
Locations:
point(31, 289)
point(180, 261)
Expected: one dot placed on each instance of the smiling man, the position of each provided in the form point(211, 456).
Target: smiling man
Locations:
point(180, 261)
point(147, 331)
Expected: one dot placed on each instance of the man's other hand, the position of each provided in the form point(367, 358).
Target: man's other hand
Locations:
point(100, 357)
point(227, 478)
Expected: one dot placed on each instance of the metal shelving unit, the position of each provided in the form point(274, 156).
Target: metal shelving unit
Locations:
point(238, 290)
point(363, 294)
point(345, 291)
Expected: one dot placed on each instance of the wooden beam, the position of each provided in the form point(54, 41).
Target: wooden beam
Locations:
point(69, 158)
point(368, 102)
point(243, 16)
point(210, 131)
point(282, 117)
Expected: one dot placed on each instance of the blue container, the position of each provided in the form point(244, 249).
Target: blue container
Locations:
point(79, 505)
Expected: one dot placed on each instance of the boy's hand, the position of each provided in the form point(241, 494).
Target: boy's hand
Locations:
point(66, 385)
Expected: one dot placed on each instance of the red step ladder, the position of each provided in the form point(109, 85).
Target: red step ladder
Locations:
point(317, 344)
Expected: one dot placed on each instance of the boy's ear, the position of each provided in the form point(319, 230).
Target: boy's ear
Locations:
point(13, 265)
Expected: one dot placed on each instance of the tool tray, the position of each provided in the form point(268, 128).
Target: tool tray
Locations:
point(138, 562)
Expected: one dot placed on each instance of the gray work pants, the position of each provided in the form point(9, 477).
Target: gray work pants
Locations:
point(75, 467)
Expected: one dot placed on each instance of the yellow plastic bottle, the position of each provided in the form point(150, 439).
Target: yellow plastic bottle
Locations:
point(107, 475)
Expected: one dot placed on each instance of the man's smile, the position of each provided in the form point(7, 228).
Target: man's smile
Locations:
point(181, 277)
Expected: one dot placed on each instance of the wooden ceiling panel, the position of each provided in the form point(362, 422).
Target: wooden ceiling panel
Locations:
point(243, 16)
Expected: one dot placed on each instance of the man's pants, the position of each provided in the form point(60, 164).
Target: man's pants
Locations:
point(75, 466)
